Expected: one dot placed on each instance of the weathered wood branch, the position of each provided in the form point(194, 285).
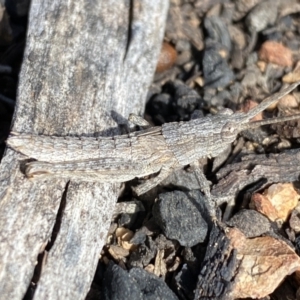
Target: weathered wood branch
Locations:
point(87, 65)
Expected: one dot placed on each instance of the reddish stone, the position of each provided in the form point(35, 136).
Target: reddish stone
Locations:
point(276, 53)
point(167, 58)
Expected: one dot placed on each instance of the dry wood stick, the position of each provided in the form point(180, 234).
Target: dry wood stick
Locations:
point(87, 65)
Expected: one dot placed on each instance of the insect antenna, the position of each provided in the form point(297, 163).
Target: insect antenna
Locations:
point(270, 100)
point(256, 124)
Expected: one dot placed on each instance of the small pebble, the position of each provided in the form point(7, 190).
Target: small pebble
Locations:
point(159, 107)
point(166, 58)
point(138, 238)
point(237, 36)
point(178, 215)
point(117, 284)
point(182, 179)
point(288, 101)
point(293, 76)
point(250, 222)
point(143, 255)
point(136, 284)
point(242, 8)
point(277, 202)
point(262, 65)
point(262, 15)
point(276, 53)
point(185, 98)
point(151, 286)
point(218, 31)
point(216, 71)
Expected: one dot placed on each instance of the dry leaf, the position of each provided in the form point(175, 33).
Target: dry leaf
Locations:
point(124, 235)
point(264, 263)
point(160, 268)
point(117, 252)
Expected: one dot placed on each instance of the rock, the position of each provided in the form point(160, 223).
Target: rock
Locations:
point(221, 98)
point(242, 7)
point(216, 71)
point(167, 57)
point(287, 102)
point(263, 264)
point(185, 98)
point(175, 103)
point(186, 280)
point(276, 53)
point(262, 15)
point(293, 76)
point(118, 285)
point(125, 220)
point(178, 215)
point(237, 36)
point(143, 255)
point(138, 238)
point(128, 207)
point(150, 285)
point(182, 179)
point(237, 59)
point(136, 284)
point(217, 30)
point(277, 202)
point(159, 107)
point(250, 223)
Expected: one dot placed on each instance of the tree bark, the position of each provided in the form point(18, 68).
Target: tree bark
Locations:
point(87, 65)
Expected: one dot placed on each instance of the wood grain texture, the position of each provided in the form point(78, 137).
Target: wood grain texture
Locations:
point(87, 65)
point(271, 168)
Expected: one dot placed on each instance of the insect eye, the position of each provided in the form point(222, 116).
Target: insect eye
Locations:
point(230, 127)
point(229, 131)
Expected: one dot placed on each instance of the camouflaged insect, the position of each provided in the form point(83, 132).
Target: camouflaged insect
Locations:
point(160, 149)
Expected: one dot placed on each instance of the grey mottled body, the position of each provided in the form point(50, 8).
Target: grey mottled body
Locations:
point(153, 150)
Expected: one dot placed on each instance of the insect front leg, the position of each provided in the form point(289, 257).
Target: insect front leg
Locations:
point(203, 182)
point(205, 188)
point(139, 121)
point(221, 158)
point(165, 171)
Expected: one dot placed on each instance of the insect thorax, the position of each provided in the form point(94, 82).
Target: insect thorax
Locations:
point(195, 139)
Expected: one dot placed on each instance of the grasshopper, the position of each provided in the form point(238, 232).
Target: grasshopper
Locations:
point(159, 149)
